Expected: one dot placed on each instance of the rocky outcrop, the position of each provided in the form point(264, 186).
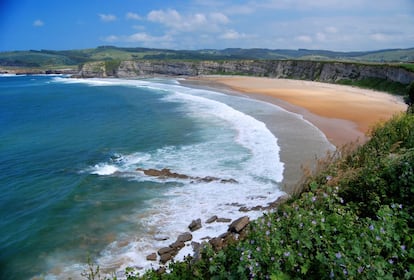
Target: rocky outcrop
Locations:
point(167, 253)
point(238, 225)
point(195, 225)
point(294, 69)
point(235, 230)
point(166, 173)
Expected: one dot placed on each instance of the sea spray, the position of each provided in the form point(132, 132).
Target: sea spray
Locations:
point(70, 150)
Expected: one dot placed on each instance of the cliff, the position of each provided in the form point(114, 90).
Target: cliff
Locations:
point(331, 72)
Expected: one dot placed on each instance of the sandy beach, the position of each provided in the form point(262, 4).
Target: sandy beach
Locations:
point(343, 113)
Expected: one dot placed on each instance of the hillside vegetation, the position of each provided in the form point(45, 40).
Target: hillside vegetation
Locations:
point(51, 58)
point(354, 220)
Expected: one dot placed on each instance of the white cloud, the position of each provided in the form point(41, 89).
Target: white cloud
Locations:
point(320, 36)
point(331, 29)
point(381, 37)
point(111, 39)
point(304, 38)
point(38, 23)
point(137, 37)
point(322, 24)
point(133, 16)
point(232, 35)
point(172, 19)
point(219, 18)
point(107, 17)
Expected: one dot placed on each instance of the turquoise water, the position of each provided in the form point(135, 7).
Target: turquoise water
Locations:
point(69, 150)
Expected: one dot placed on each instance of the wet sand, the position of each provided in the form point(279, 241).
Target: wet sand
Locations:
point(344, 114)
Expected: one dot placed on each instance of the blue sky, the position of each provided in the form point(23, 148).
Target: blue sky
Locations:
point(342, 25)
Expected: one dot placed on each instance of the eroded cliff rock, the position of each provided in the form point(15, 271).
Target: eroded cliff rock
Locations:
point(293, 69)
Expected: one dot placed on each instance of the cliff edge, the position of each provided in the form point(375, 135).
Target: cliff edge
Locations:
point(331, 72)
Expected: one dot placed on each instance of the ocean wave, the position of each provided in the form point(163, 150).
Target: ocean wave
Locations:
point(235, 146)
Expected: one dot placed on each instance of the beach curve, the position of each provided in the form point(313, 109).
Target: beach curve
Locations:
point(343, 113)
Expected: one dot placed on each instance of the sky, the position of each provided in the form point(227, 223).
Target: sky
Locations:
point(339, 25)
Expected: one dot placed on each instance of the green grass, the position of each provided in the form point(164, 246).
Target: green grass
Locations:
point(408, 66)
point(354, 220)
point(378, 84)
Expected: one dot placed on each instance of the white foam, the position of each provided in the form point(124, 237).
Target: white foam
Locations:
point(104, 169)
point(244, 150)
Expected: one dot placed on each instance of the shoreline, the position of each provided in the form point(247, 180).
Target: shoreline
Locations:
point(344, 114)
point(290, 129)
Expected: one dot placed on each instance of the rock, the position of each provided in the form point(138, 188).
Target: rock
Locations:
point(217, 243)
point(185, 237)
point(231, 181)
point(166, 173)
point(160, 270)
point(161, 238)
point(195, 225)
point(257, 208)
point(165, 258)
point(196, 249)
point(177, 246)
point(165, 250)
point(303, 70)
point(212, 219)
point(224, 235)
point(152, 257)
point(244, 209)
point(209, 179)
point(223, 220)
point(277, 202)
point(238, 225)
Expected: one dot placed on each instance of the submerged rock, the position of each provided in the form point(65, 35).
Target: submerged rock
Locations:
point(212, 219)
point(185, 237)
point(166, 173)
point(195, 225)
point(152, 257)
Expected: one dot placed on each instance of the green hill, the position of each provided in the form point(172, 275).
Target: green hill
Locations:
point(51, 58)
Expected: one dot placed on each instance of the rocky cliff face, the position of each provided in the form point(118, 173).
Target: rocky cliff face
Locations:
point(293, 69)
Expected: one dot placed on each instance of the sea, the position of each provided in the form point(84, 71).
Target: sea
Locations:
point(70, 191)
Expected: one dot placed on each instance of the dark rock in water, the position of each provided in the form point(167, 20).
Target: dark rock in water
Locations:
point(166, 254)
point(165, 258)
point(185, 237)
point(161, 238)
point(165, 250)
point(238, 225)
point(195, 225)
point(208, 179)
point(163, 173)
point(244, 209)
point(152, 257)
point(166, 173)
point(232, 181)
point(223, 220)
point(177, 246)
point(257, 208)
point(212, 219)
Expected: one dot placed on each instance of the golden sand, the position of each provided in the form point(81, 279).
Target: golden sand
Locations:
point(342, 113)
